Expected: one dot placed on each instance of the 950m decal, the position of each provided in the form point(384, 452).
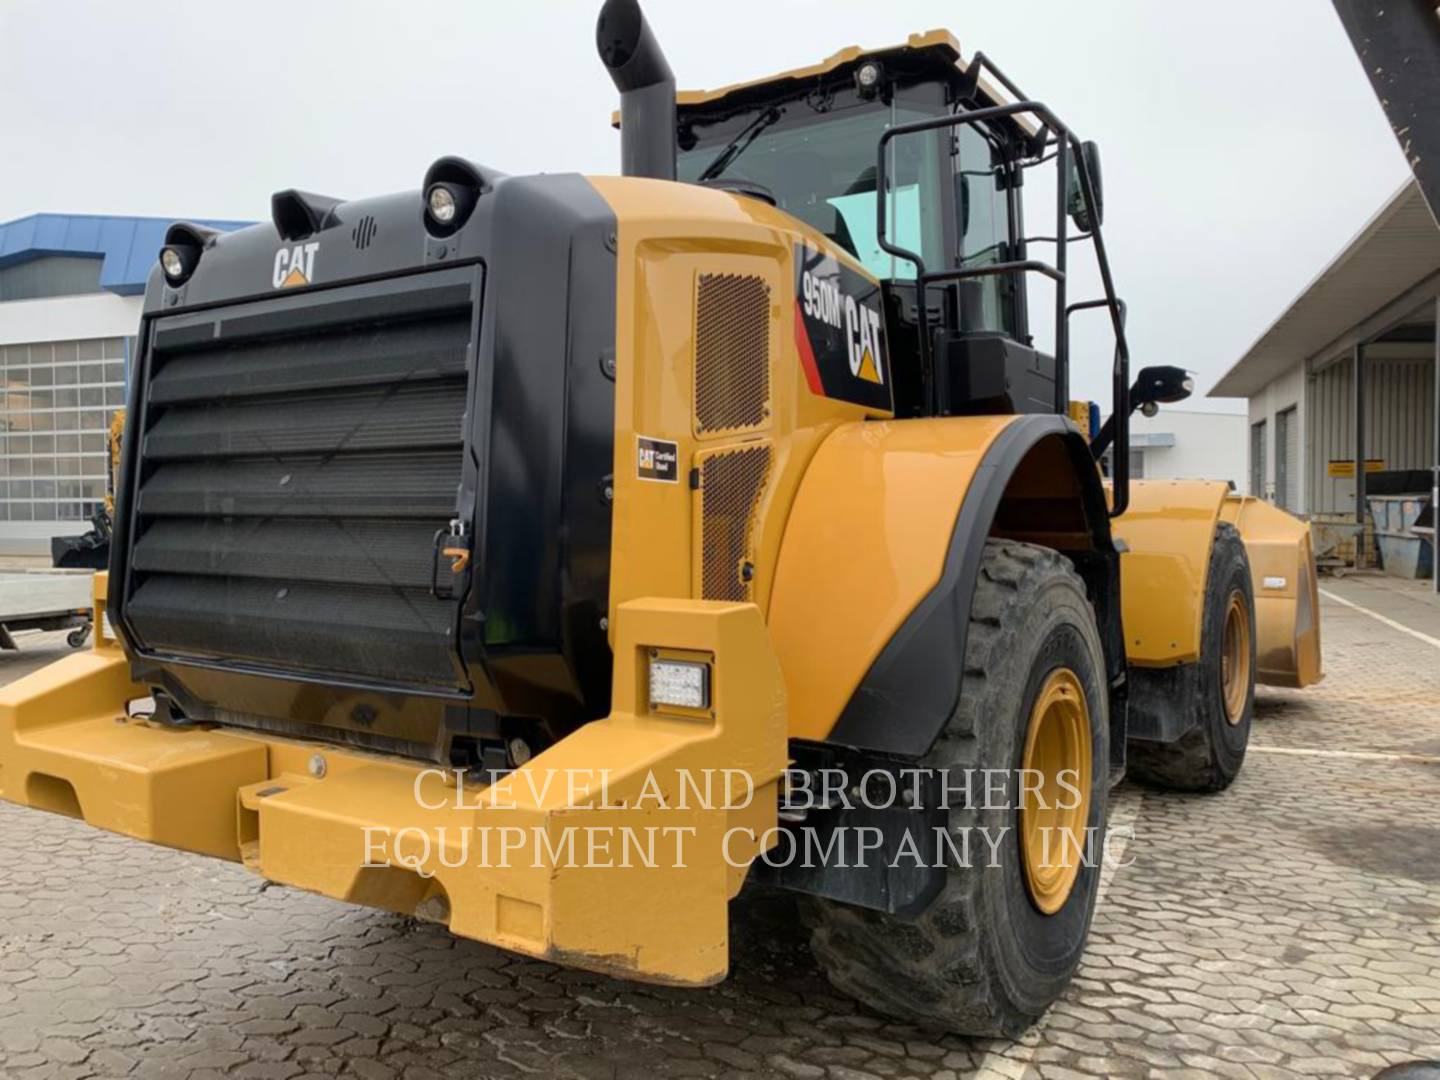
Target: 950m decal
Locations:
point(840, 331)
point(657, 459)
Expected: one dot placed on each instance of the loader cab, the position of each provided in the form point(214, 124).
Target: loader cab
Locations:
point(807, 142)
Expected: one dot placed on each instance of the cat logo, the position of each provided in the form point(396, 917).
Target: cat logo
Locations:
point(864, 365)
point(295, 265)
point(840, 331)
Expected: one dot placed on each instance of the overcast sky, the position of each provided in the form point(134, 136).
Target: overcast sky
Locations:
point(1242, 146)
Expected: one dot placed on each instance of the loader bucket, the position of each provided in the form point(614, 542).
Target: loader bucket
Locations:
point(1287, 600)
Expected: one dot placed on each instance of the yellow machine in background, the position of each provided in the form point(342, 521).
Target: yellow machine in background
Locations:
point(745, 463)
point(115, 440)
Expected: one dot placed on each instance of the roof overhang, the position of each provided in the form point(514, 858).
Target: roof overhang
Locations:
point(1391, 266)
point(128, 245)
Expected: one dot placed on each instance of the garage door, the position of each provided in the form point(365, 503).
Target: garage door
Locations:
point(1257, 459)
point(1287, 459)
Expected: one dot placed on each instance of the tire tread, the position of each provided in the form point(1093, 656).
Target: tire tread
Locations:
point(954, 980)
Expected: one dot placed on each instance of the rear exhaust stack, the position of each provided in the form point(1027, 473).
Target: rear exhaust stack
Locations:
point(641, 73)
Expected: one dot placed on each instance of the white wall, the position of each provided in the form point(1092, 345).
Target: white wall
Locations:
point(1207, 445)
point(69, 318)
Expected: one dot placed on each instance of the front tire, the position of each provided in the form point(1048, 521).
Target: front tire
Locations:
point(1005, 935)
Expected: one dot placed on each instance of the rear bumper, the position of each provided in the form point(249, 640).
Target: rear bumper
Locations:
point(616, 850)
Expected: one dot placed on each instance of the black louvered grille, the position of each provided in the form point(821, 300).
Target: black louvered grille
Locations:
point(294, 471)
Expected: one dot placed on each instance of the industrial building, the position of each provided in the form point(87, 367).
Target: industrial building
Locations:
point(71, 287)
point(1341, 388)
point(1185, 444)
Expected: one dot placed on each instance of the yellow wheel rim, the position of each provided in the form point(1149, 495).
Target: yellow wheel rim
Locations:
point(1052, 815)
point(1235, 658)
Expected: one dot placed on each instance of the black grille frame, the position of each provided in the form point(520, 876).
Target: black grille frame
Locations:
point(357, 400)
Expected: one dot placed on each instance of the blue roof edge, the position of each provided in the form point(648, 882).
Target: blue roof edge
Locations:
point(128, 245)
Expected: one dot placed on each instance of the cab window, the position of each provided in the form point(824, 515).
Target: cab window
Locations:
point(821, 169)
point(983, 213)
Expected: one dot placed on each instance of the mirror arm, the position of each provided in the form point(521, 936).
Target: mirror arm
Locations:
point(1103, 438)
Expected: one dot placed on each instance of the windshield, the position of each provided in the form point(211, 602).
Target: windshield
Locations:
point(821, 168)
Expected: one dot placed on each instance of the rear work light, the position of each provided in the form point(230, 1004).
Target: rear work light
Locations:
point(179, 261)
point(442, 204)
point(681, 684)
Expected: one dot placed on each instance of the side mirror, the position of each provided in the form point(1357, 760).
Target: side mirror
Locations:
point(1085, 220)
point(1156, 386)
point(962, 203)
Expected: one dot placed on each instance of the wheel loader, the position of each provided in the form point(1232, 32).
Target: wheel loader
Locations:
point(749, 462)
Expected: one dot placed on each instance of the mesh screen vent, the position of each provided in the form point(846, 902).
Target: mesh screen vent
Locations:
point(731, 483)
point(732, 353)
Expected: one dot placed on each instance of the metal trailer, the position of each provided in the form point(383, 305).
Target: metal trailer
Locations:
point(49, 599)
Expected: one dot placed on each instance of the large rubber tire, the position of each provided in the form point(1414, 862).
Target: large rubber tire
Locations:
point(1208, 756)
point(983, 959)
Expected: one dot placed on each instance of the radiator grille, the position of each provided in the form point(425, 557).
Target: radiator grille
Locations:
point(298, 456)
point(731, 483)
point(732, 353)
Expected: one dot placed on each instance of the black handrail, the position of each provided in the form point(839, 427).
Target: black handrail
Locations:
point(1120, 391)
point(1065, 143)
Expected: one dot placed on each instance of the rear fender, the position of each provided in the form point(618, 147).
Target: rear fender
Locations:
point(880, 557)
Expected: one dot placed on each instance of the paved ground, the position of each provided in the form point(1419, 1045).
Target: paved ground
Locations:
point(1289, 927)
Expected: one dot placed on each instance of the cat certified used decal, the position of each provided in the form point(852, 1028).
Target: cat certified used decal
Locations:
point(840, 331)
point(657, 459)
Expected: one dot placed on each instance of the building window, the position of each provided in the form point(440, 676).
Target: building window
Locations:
point(1137, 463)
point(55, 414)
point(1257, 459)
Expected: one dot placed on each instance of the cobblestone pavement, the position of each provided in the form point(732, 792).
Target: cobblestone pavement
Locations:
point(1288, 927)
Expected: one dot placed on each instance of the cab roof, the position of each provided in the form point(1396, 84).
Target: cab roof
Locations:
point(939, 48)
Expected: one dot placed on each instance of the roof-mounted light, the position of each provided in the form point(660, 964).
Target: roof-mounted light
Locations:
point(869, 79)
point(442, 203)
point(173, 263)
point(184, 244)
point(450, 191)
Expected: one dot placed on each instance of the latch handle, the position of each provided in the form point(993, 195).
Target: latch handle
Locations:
point(455, 546)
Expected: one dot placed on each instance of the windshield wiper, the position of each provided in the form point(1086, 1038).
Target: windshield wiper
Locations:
point(738, 145)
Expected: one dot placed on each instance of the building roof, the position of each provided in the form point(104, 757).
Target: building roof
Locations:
point(129, 245)
point(1393, 252)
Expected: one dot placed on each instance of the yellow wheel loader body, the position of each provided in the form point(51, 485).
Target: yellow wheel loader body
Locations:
point(407, 594)
point(799, 589)
point(678, 246)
